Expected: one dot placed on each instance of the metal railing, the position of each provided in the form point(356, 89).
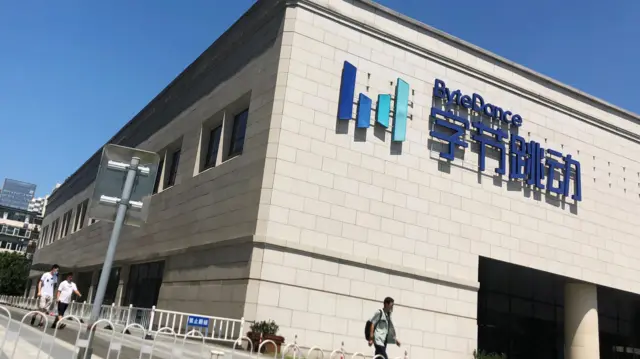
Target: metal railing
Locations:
point(217, 329)
point(19, 302)
point(152, 319)
point(161, 328)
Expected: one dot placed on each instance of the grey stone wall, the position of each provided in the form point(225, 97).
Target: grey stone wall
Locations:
point(193, 225)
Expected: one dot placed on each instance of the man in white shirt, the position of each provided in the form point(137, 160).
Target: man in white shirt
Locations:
point(65, 290)
point(45, 292)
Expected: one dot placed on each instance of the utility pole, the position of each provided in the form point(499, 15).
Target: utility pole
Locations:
point(138, 183)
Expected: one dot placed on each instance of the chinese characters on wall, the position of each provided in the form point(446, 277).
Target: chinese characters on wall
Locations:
point(527, 161)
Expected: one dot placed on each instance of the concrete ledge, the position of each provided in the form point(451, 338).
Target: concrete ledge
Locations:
point(373, 264)
point(292, 247)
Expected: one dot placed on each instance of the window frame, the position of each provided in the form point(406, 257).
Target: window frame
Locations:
point(43, 236)
point(54, 230)
point(156, 185)
point(66, 223)
point(243, 116)
point(173, 169)
point(213, 148)
point(81, 215)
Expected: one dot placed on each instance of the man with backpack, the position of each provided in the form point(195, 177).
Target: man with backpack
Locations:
point(379, 331)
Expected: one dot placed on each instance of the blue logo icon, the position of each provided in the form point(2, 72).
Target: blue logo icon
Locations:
point(383, 108)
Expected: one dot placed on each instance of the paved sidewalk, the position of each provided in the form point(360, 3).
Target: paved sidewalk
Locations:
point(30, 343)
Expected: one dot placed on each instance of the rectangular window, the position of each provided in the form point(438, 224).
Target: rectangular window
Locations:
point(62, 225)
point(156, 186)
point(81, 212)
point(66, 223)
point(112, 286)
point(43, 236)
point(212, 148)
point(173, 170)
point(238, 132)
point(143, 287)
point(76, 220)
point(54, 231)
point(17, 216)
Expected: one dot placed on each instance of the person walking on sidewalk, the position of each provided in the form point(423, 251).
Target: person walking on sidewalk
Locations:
point(65, 290)
point(45, 293)
point(382, 331)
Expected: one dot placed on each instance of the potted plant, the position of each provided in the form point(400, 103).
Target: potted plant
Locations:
point(481, 354)
point(265, 330)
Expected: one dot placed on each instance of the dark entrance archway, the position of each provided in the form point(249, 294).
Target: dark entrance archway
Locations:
point(521, 314)
point(520, 311)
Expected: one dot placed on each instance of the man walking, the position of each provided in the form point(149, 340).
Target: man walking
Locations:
point(382, 330)
point(65, 290)
point(45, 293)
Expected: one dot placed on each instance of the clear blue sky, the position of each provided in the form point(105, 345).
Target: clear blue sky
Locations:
point(72, 72)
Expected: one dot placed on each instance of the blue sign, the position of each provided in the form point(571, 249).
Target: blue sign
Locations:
point(200, 322)
point(383, 108)
point(527, 160)
point(476, 103)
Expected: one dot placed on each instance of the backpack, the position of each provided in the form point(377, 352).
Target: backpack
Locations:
point(367, 328)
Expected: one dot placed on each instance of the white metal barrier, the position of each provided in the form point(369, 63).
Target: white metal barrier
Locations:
point(152, 319)
point(217, 329)
point(153, 324)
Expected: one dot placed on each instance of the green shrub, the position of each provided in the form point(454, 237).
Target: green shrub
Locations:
point(265, 327)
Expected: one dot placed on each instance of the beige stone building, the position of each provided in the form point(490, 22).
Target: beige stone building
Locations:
point(288, 194)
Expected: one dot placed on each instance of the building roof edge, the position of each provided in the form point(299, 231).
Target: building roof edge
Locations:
point(147, 109)
point(474, 48)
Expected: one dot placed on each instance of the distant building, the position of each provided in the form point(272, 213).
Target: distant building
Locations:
point(38, 204)
point(17, 228)
point(17, 194)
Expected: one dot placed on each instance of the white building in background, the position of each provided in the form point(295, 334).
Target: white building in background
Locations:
point(18, 227)
point(38, 205)
point(324, 154)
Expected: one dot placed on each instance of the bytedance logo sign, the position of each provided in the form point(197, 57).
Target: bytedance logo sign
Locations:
point(383, 107)
point(528, 161)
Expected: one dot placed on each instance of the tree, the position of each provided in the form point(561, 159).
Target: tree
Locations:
point(14, 272)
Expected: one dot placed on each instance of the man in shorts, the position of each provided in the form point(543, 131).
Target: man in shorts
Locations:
point(65, 290)
point(45, 293)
